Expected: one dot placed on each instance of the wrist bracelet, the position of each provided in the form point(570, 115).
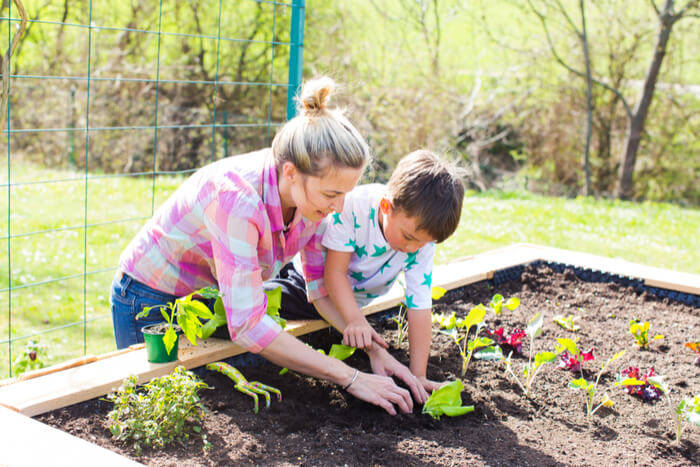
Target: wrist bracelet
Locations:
point(354, 377)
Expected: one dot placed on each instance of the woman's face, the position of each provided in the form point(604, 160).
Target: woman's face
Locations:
point(316, 197)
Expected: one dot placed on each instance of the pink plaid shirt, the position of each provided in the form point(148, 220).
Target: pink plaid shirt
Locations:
point(223, 227)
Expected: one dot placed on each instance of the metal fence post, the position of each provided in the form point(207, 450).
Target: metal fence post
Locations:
point(296, 52)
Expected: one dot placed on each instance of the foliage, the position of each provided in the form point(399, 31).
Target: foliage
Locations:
point(570, 357)
point(34, 356)
point(466, 347)
point(640, 333)
point(591, 388)
point(162, 411)
point(497, 303)
point(648, 386)
point(568, 323)
point(688, 409)
point(510, 342)
point(401, 317)
point(534, 365)
point(447, 400)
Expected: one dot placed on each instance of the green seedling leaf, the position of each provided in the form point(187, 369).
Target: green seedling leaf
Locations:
point(578, 383)
point(208, 293)
point(438, 292)
point(340, 351)
point(630, 382)
point(545, 357)
point(568, 345)
point(479, 342)
point(218, 320)
point(475, 316)
point(534, 326)
point(492, 352)
point(446, 400)
point(607, 402)
point(659, 383)
point(567, 323)
point(274, 302)
point(198, 309)
point(497, 303)
point(169, 339)
point(512, 303)
point(658, 337)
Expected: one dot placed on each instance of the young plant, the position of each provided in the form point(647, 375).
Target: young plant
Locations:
point(534, 365)
point(688, 409)
point(33, 357)
point(401, 319)
point(591, 388)
point(568, 323)
point(498, 302)
point(447, 400)
point(570, 357)
point(509, 342)
point(640, 333)
point(165, 410)
point(648, 386)
point(466, 347)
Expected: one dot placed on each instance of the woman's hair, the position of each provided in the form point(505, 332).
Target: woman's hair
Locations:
point(319, 138)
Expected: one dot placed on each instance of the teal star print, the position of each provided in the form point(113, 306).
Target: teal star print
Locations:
point(336, 218)
point(371, 295)
point(378, 251)
point(358, 289)
point(357, 276)
point(361, 251)
point(354, 218)
point(428, 279)
point(389, 282)
point(351, 243)
point(409, 301)
point(371, 216)
point(385, 265)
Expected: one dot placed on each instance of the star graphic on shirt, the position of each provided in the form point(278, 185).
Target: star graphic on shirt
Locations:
point(336, 218)
point(360, 251)
point(357, 276)
point(428, 279)
point(409, 301)
point(371, 295)
point(411, 260)
point(385, 265)
point(378, 251)
point(354, 219)
point(371, 216)
point(358, 289)
point(390, 281)
point(351, 243)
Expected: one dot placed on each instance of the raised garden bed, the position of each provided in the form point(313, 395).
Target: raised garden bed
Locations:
point(316, 423)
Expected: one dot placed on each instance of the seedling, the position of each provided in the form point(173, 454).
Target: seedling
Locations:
point(648, 386)
point(497, 303)
point(466, 347)
point(400, 318)
point(163, 411)
point(591, 388)
point(688, 409)
point(32, 358)
point(568, 323)
point(570, 357)
point(695, 347)
point(447, 400)
point(640, 333)
point(510, 342)
point(534, 365)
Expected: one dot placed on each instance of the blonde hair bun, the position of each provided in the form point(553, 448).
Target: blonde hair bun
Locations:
point(315, 95)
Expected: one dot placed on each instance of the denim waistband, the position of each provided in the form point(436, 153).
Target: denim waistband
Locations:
point(128, 283)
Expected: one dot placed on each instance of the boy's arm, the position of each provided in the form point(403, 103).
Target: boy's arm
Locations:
point(419, 337)
point(357, 332)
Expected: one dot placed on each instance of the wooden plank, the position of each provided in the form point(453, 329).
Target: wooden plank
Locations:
point(33, 443)
point(69, 386)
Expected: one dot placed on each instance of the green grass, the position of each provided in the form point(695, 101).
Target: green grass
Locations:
point(655, 234)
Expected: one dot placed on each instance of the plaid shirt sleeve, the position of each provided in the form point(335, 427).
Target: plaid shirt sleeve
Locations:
point(313, 258)
point(234, 241)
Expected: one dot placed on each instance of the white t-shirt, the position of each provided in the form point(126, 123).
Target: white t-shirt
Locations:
point(374, 266)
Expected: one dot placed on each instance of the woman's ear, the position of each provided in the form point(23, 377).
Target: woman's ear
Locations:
point(289, 171)
point(385, 206)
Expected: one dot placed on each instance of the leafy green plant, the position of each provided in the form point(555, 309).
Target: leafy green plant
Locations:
point(33, 357)
point(447, 400)
point(165, 410)
point(461, 339)
point(688, 409)
point(570, 357)
point(591, 388)
point(498, 302)
point(568, 323)
point(640, 332)
point(534, 365)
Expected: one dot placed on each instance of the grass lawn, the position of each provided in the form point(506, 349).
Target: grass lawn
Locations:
point(49, 240)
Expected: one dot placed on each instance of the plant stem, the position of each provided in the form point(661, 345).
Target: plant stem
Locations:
point(510, 370)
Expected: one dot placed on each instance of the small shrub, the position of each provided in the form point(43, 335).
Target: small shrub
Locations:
point(163, 411)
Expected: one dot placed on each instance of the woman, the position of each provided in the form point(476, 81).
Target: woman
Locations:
point(234, 223)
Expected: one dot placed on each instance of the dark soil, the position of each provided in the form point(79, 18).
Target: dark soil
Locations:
point(318, 424)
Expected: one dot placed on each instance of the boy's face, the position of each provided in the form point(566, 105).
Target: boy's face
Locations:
point(400, 231)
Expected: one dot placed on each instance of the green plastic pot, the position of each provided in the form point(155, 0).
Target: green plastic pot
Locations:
point(155, 346)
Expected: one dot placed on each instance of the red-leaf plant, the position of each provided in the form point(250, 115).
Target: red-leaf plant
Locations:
point(640, 385)
point(570, 357)
point(512, 341)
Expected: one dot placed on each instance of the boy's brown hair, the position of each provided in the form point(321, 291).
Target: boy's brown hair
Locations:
point(427, 188)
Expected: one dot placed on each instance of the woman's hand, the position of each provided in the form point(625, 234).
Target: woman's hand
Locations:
point(384, 364)
point(360, 334)
point(430, 385)
point(381, 391)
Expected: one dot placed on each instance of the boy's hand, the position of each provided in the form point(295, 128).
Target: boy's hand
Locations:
point(361, 335)
point(429, 385)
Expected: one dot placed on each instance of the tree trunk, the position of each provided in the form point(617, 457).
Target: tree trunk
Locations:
point(635, 124)
point(589, 102)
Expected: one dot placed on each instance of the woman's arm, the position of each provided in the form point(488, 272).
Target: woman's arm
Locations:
point(288, 351)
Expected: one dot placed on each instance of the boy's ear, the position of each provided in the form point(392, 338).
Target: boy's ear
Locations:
point(385, 206)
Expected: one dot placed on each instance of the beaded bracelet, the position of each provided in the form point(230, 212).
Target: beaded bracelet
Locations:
point(354, 377)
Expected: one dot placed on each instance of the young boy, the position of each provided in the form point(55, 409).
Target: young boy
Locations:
point(381, 232)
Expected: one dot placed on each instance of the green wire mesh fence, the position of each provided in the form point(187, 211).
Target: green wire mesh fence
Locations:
point(111, 105)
